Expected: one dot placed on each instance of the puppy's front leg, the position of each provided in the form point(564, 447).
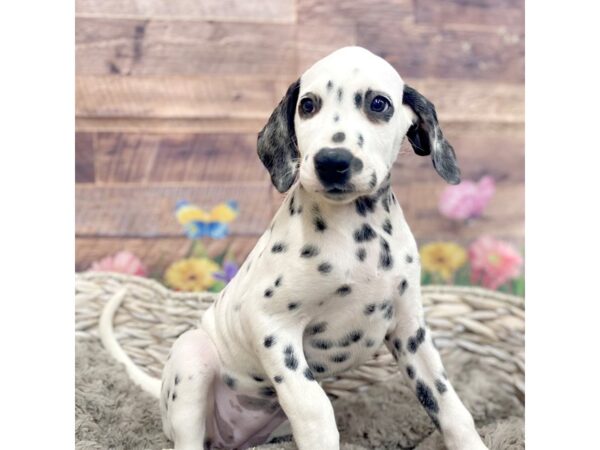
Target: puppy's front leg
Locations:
point(411, 344)
point(301, 397)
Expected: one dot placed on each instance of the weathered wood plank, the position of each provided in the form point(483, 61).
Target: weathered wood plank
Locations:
point(156, 253)
point(503, 218)
point(178, 158)
point(225, 10)
point(84, 158)
point(167, 47)
point(421, 51)
point(253, 99)
point(165, 126)
point(148, 211)
point(481, 148)
point(207, 97)
point(335, 12)
point(509, 13)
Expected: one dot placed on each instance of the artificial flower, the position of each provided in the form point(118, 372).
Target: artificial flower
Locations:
point(230, 268)
point(198, 223)
point(442, 258)
point(121, 262)
point(191, 274)
point(493, 262)
point(468, 199)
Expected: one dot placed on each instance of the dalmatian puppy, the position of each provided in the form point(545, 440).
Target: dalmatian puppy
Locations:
point(334, 276)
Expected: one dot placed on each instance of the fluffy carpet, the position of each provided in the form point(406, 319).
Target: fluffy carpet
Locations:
point(111, 412)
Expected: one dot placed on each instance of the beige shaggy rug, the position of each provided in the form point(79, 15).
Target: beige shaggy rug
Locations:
point(112, 413)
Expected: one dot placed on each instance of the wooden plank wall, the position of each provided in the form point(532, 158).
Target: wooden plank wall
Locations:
point(170, 96)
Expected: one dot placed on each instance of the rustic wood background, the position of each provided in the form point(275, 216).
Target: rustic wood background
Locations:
point(170, 95)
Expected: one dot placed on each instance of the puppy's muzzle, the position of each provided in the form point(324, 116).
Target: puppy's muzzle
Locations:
point(335, 167)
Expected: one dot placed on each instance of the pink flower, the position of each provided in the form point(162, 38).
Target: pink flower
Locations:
point(122, 262)
point(493, 262)
point(468, 199)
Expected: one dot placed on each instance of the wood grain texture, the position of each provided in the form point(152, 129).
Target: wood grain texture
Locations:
point(167, 47)
point(481, 149)
point(179, 158)
point(165, 126)
point(340, 12)
point(84, 158)
point(422, 51)
point(157, 253)
point(131, 210)
point(224, 10)
point(481, 13)
point(207, 97)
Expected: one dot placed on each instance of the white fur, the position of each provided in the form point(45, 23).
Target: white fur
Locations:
point(360, 301)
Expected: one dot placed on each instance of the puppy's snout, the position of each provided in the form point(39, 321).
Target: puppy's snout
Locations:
point(334, 166)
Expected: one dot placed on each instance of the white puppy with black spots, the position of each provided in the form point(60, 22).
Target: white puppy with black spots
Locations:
point(336, 274)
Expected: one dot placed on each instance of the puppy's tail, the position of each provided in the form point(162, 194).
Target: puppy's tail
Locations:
point(107, 335)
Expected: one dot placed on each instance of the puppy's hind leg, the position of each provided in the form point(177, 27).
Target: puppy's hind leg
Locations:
point(187, 396)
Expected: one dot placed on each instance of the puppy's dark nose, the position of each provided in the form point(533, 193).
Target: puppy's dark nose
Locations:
point(334, 166)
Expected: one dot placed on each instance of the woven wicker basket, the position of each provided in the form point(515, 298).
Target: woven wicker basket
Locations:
point(486, 323)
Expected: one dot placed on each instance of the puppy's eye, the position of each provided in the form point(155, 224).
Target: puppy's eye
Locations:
point(307, 105)
point(379, 104)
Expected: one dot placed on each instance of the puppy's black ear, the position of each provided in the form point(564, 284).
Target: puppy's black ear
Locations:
point(426, 138)
point(277, 146)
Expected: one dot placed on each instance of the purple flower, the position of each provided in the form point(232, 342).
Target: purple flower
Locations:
point(230, 268)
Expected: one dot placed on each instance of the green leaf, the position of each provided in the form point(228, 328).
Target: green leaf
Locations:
point(217, 287)
point(425, 278)
point(198, 250)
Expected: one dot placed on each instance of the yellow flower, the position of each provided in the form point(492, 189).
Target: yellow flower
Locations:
point(192, 274)
point(443, 258)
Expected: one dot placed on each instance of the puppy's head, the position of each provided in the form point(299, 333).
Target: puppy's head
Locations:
point(339, 128)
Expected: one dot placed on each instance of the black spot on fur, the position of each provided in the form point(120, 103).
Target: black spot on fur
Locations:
point(174, 396)
point(373, 180)
point(316, 328)
point(340, 94)
point(278, 281)
point(416, 340)
point(269, 341)
point(340, 357)
point(389, 311)
point(339, 137)
point(440, 386)
point(177, 379)
point(369, 343)
point(361, 140)
point(369, 309)
point(308, 374)
point(402, 286)
point(343, 290)
point(318, 221)
point(277, 378)
point(308, 251)
point(318, 367)
point(409, 259)
point(291, 362)
point(267, 391)
point(356, 335)
point(279, 247)
point(291, 206)
point(386, 262)
point(410, 371)
point(321, 344)
point(385, 202)
point(325, 267)
point(336, 118)
point(361, 254)
point(329, 85)
point(426, 398)
point(268, 292)
point(365, 205)
point(358, 100)
point(364, 233)
point(397, 344)
point(387, 226)
point(292, 306)
point(229, 381)
point(257, 378)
